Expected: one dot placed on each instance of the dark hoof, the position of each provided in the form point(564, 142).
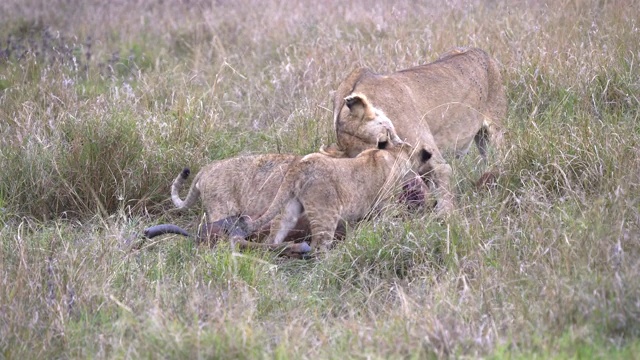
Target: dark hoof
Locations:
point(297, 251)
point(304, 248)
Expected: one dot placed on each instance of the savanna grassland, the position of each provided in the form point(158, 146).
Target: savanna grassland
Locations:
point(102, 103)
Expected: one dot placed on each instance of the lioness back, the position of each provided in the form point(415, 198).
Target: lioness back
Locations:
point(484, 73)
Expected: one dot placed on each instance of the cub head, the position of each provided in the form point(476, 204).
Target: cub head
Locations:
point(408, 161)
point(335, 151)
point(405, 164)
point(362, 126)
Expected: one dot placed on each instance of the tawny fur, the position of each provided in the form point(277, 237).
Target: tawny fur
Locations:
point(328, 190)
point(243, 185)
point(239, 186)
point(441, 106)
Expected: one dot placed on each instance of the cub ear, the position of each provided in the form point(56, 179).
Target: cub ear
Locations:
point(332, 150)
point(357, 104)
point(424, 155)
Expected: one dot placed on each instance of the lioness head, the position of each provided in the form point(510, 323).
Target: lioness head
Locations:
point(364, 126)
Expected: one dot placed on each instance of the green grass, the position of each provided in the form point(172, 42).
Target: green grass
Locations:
point(101, 107)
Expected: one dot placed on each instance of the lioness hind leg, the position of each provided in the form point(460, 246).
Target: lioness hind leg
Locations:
point(482, 141)
point(489, 134)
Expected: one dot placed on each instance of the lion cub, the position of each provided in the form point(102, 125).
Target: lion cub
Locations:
point(328, 190)
point(234, 187)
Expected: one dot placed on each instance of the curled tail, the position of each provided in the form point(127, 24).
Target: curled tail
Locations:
point(193, 194)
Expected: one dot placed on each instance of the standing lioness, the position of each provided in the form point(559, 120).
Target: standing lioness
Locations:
point(444, 105)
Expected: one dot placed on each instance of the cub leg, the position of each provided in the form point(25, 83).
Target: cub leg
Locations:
point(324, 224)
point(321, 238)
point(286, 223)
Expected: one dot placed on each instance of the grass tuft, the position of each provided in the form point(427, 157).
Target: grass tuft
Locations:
point(102, 106)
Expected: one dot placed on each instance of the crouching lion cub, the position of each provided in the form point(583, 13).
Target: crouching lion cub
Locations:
point(444, 105)
point(328, 190)
point(234, 187)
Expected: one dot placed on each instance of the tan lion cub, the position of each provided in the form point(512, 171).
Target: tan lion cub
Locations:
point(327, 190)
point(230, 188)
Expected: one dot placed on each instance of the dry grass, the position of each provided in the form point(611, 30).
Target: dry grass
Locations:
point(102, 104)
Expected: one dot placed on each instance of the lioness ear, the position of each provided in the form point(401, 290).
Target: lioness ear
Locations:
point(353, 99)
point(357, 104)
